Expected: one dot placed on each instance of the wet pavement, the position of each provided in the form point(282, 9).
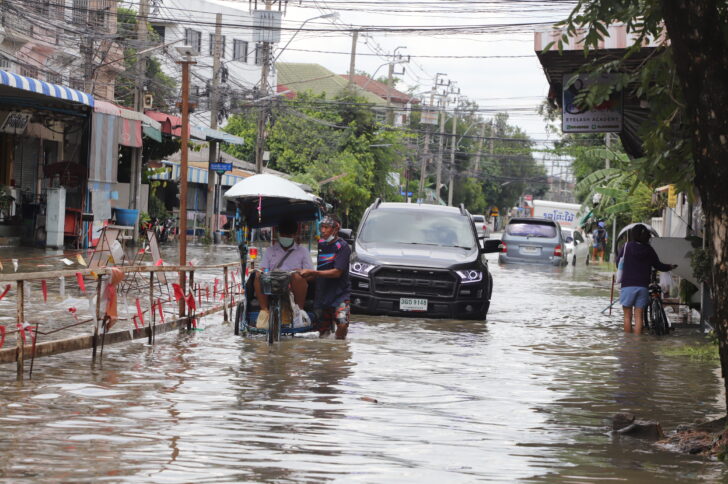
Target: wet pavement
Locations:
point(525, 396)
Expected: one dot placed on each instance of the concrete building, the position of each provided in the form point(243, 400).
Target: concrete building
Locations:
point(65, 42)
point(192, 22)
point(401, 102)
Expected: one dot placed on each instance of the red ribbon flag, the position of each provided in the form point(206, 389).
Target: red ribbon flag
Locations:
point(7, 289)
point(139, 312)
point(81, 285)
point(191, 301)
point(161, 312)
point(178, 294)
point(44, 288)
point(2, 336)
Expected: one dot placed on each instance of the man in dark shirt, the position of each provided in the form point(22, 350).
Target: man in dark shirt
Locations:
point(333, 288)
point(639, 259)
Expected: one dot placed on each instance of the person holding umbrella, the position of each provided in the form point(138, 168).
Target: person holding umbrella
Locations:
point(639, 259)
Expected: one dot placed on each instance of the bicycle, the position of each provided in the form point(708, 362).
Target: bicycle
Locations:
point(656, 320)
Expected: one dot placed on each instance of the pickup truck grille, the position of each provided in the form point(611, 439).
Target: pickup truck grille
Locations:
point(414, 282)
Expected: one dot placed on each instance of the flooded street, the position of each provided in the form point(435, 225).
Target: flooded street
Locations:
point(525, 396)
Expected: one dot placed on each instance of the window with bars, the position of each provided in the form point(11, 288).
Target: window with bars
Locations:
point(80, 11)
point(259, 54)
point(193, 38)
point(240, 50)
point(222, 45)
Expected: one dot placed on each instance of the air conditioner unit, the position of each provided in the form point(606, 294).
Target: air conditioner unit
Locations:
point(148, 101)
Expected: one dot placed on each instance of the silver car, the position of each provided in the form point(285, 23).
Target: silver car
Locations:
point(481, 226)
point(532, 240)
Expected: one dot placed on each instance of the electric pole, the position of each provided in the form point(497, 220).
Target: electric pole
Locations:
point(214, 100)
point(480, 148)
point(263, 114)
point(454, 146)
point(390, 83)
point(352, 59)
point(135, 181)
point(426, 151)
point(185, 105)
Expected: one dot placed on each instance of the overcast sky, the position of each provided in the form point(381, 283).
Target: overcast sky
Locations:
point(514, 84)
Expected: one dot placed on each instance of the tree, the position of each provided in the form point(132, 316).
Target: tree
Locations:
point(162, 87)
point(335, 146)
point(686, 136)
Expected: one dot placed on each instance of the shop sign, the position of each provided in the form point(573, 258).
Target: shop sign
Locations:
point(604, 118)
point(429, 116)
point(15, 123)
point(671, 196)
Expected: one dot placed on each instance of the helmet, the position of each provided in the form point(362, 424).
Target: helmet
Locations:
point(602, 224)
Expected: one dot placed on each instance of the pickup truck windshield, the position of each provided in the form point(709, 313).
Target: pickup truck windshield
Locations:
point(418, 227)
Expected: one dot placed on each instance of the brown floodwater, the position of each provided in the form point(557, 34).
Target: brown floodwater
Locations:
point(526, 396)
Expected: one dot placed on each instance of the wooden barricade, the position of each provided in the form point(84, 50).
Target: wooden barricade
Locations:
point(26, 345)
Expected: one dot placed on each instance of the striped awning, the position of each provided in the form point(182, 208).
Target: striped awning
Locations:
point(45, 88)
point(216, 135)
point(194, 175)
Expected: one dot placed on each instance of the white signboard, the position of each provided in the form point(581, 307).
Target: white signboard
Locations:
point(429, 117)
point(15, 123)
point(605, 118)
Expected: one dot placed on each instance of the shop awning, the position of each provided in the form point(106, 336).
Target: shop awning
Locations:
point(172, 125)
point(130, 123)
point(195, 175)
point(45, 88)
point(222, 136)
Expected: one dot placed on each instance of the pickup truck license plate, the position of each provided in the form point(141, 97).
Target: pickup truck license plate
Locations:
point(530, 250)
point(412, 304)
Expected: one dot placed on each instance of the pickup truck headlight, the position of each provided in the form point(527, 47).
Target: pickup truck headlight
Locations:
point(467, 277)
point(360, 268)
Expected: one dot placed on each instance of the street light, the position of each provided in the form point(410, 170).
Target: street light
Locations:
point(328, 15)
point(188, 53)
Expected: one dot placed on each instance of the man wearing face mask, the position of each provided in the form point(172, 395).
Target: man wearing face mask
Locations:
point(333, 289)
point(284, 255)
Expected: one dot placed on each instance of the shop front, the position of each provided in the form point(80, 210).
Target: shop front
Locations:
point(44, 152)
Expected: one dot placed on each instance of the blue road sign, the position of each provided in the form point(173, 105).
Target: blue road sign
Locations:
point(221, 167)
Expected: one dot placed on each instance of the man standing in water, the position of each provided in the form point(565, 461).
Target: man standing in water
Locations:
point(333, 288)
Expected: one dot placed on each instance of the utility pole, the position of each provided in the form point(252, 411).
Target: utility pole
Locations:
point(263, 114)
point(442, 103)
point(135, 181)
point(390, 85)
point(480, 148)
point(212, 155)
point(185, 105)
point(352, 59)
point(426, 149)
point(454, 145)
point(440, 146)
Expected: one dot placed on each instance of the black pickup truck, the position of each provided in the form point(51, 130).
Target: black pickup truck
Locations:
point(422, 261)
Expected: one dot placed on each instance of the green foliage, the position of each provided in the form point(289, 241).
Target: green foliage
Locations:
point(699, 352)
point(506, 171)
point(162, 87)
point(339, 149)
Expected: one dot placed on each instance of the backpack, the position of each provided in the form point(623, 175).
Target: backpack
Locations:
point(601, 235)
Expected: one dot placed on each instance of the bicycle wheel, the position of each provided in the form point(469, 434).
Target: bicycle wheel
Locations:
point(241, 312)
point(658, 317)
point(274, 323)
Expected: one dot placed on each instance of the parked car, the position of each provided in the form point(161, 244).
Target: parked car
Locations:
point(532, 240)
point(481, 226)
point(575, 246)
point(420, 260)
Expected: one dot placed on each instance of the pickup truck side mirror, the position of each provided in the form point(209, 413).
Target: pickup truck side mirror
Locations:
point(347, 235)
point(490, 246)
